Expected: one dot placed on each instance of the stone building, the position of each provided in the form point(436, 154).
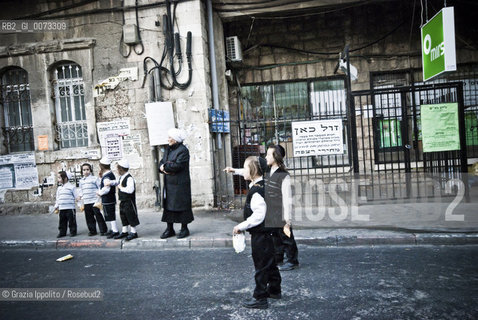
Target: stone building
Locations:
point(60, 87)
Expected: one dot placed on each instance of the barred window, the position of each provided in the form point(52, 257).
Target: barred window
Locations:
point(269, 109)
point(15, 100)
point(70, 106)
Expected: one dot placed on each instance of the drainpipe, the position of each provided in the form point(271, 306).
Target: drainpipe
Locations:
point(212, 59)
point(154, 96)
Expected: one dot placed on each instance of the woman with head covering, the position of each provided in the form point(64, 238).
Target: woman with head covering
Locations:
point(177, 185)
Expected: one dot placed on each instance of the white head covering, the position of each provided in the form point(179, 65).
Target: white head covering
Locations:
point(124, 163)
point(69, 175)
point(105, 161)
point(177, 134)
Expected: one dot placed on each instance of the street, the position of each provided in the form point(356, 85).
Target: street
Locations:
point(386, 282)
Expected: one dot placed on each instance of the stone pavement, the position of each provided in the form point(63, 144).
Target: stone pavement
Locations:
point(399, 224)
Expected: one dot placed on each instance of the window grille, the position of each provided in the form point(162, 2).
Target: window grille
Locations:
point(70, 106)
point(268, 111)
point(15, 99)
point(466, 73)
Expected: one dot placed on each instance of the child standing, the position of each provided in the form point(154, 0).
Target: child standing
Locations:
point(65, 202)
point(267, 275)
point(89, 185)
point(127, 196)
point(108, 197)
point(278, 198)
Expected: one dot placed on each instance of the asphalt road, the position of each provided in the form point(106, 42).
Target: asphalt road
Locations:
point(332, 283)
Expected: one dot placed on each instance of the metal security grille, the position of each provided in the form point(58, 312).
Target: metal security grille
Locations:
point(15, 99)
point(70, 106)
point(466, 74)
point(265, 117)
point(390, 163)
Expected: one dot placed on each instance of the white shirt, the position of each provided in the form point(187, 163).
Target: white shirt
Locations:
point(258, 207)
point(129, 184)
point(105, 189)
point(286, 193)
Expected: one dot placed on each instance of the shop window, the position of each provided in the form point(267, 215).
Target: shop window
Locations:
point(16, 103)
point(388, 110)
point(68, 87)
point(267, 111)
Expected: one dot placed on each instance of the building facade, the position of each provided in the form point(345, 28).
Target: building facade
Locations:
point(61, 89)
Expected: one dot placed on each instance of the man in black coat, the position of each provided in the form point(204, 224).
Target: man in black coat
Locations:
point(177, 185)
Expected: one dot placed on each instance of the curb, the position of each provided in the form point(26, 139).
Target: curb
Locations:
point(221, 242)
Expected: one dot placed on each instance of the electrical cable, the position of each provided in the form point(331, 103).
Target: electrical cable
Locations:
point(266, 7)
point(139, 32)
point(121, 43)
point(106, 10)
point(305, 14)
point(332, 53)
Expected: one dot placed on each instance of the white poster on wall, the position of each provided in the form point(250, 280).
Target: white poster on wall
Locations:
point(18, 171)
point(160, 119)
point(132, 150)
point(110, 135)
point(317, 138)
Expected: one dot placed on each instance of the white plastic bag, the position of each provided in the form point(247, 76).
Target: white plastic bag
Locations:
point(239, 242)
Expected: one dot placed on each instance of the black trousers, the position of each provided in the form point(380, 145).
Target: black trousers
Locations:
point(67, 219)
point(93, 215)
point(267, 275)
point(128, 213)
point(284, 244)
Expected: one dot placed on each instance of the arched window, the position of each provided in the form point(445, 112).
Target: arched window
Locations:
point(15, 99)
point(69, 98)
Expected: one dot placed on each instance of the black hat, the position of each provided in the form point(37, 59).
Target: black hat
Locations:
point(262, 165)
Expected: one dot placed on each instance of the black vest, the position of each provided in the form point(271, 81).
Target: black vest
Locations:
point(273, 197)
point(122, 196)
point(110, 197)
point(258, 187)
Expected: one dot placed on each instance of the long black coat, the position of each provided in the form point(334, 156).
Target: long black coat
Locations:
point(177, 183)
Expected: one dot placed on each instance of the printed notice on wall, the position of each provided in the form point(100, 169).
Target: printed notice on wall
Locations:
point(440, 127)
point(110, 135)
point(317, 138)
point(132, 150)
point(18, 171)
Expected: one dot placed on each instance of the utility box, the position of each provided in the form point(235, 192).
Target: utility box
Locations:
point(130, 34)
point(233, 49)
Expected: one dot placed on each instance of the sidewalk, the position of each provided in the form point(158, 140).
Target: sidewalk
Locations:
point(213, 229)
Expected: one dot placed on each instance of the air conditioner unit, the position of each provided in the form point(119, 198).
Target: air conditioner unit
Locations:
point(233, 49)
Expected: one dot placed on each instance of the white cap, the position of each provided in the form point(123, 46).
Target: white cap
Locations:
point(105, 161)
point(124, 163)
point(177, 134)
point(69, 175)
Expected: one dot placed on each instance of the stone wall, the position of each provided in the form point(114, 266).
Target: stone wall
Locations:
point(92, 41)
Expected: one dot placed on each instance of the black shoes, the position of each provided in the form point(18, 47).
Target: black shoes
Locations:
point(121, 235)
point(275, 296)
point(103, 234)
point(256, 303)
point(112, 235)
point(72, 234)
point(60, 235)
point(168, 233)
point(183, 233)
point(90, 234)
point(131, 236)
point(288, 266)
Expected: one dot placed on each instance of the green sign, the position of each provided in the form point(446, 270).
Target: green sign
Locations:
point(438, 44)
point(440, 127)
